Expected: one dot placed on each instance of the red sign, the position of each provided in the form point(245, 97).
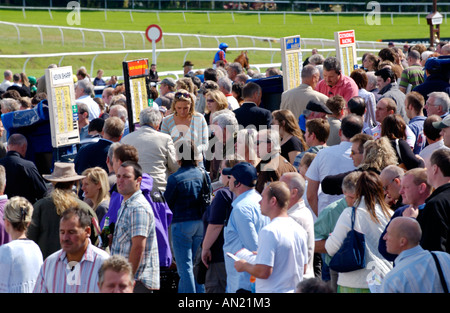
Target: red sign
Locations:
point(347, 38)
point(154, 33)
point(138, 68)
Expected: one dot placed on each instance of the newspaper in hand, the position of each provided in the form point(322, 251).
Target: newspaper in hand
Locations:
point(243, 254)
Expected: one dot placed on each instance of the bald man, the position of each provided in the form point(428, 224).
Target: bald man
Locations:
point(415, 269)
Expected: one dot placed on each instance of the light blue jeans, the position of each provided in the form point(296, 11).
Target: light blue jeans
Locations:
point(186, 239)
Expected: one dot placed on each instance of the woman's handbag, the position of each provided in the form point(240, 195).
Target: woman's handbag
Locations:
point(351, 255)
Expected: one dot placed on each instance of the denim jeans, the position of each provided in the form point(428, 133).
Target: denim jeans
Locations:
point(186, 239)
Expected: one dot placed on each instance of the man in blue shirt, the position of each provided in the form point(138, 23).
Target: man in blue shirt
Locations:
point(415, 270)
point(244, 223)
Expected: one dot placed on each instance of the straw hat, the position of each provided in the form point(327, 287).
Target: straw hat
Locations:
point(63, 172)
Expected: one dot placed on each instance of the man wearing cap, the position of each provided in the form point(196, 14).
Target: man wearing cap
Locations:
point(314, 109)
point(166, 93)
point(444, 126)
point(334, 82)
point(297, 98)
point(187, 68)
point(436, 79)
point(221, 54)
point(244, 223)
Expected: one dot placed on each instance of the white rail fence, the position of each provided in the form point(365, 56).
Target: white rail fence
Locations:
point(325, 46)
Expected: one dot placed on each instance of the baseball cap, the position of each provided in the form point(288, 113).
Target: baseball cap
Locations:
point(168, 81)
point(317, 106)
point(442, 124)
point(243, 172)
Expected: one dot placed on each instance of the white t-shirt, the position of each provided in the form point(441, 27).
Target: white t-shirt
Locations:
point(330, 161)
point(282, 244)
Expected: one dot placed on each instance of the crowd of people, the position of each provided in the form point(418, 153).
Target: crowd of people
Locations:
point(213, 193)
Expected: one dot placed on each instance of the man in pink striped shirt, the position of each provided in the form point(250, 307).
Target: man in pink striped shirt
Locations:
point(334, 82)
point(74, 268)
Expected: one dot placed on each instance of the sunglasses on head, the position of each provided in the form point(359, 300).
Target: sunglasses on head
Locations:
point(178, 95)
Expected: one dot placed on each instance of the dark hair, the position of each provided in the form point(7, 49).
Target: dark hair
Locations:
point(370, 187)
point(126, 152)
point(250, 89)
point(96, 124)
point(387, 54)
point(351, 125)
point(336, 104)
point(441, 158)
point(386, 73)
point(186, 153)
point(357, 105)
point(332, 64)
point(416, 100)
point(319, 127)
point(210, 74)
point(83, 216)
point(360, 78)
point(137, 169)
point(393, 127)
point(429, 130)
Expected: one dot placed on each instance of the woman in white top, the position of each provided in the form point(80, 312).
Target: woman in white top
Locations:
point(186, 123)
point(20, 259)
point(372, 215)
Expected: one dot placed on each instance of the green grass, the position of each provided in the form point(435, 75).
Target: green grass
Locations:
point(270, 25)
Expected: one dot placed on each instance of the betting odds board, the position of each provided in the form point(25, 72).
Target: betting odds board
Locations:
point(135, 79)
point(63, 111)
point(346, 50)
point(291, 61)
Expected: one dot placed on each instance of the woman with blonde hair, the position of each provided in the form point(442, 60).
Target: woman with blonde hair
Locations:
point(20, 259)
point(44, 227)
point(372, 214)
point(291, 137)
point(95, 186)
point(186, 123)
point(215, 102)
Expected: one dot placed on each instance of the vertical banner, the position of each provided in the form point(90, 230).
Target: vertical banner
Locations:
point(63, 111)
point(291, 61)
point(346, 50)
point(135, 78)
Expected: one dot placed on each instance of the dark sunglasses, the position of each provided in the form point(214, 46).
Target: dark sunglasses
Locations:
point(179, 95)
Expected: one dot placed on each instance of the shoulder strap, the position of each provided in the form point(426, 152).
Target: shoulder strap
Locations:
point(353, 216)
point(441, 275)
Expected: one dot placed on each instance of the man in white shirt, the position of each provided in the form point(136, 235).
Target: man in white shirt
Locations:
point(282, 255)
point(7, 82)
point(433, 136)
point(301, 214)
point(331, 161)
point(225, 85)
point(83, 91)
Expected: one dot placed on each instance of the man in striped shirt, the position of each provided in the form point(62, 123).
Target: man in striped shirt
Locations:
point(134, 234)
point(74, 268)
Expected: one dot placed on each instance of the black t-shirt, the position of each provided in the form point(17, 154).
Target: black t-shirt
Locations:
point(293, 144)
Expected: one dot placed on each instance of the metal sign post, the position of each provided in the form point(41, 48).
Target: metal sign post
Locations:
point(291, 61)
point(154, 34)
